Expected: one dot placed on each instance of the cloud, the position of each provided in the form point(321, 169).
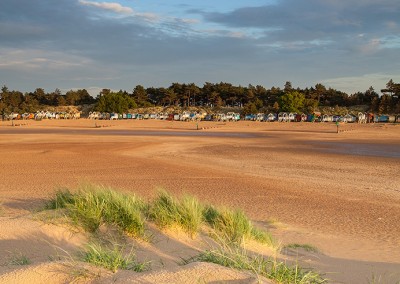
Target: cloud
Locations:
point(29, 60)
point(293, 20)
point(63, 44)
point(360, 83)
point(110, 6)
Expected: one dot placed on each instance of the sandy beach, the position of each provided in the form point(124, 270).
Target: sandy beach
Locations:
point(304, 182)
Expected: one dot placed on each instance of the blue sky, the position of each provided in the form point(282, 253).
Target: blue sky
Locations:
point(68, 44)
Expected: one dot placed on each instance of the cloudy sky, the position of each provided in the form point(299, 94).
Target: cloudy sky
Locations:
point(345, 44)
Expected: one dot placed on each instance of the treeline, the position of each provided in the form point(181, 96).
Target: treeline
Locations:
point(250, 99)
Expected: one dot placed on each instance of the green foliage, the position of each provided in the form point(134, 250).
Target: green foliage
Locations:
point(112, 258)
point(166, 211)
point(306, 247)
point(250, 108)
point(92, 206)
point(115, 102)
point(62, 199)
point(235, 227)
point(234, 257)
point(19, 259)
point(292, 101)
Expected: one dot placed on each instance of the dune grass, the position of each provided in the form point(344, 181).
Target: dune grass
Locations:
point(238, 258)
point(186, 213)
point(92, 205)
point(235, 227)
point(306, 247)
point(113, 258)
point(18, 258)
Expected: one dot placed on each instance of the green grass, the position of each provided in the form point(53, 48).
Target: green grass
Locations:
point(306, 247)
point(235, 227)
point(113, 258)
point(237, 258)
point(91, 206)
point(19, 259)
point(186, 213)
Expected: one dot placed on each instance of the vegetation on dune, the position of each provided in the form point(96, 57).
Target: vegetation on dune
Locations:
point(238, 258)
point(112, 258)
point(235, 227)
point(91, 206)
point(306, 247)
point(167, 211)
point(18, 258)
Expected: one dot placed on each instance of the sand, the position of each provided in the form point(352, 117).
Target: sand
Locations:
point(304, 182)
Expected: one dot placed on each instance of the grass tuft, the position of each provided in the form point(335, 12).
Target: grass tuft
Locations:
point(91, 206)
point(235, 227)
point(237, 258)
point(19, 259)
point(167, 211)
point(306, 247)
point(112, 258)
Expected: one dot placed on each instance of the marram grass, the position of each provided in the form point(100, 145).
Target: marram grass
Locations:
point(237, 258)
point(113, 258)
point(186, 213)
point(235, 227)
point(91, 206)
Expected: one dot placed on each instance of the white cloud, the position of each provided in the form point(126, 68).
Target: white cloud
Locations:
point(360, 83)
point(111, 6)
point(32, 59)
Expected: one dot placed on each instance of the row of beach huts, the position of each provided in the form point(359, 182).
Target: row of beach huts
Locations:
point(203, 116)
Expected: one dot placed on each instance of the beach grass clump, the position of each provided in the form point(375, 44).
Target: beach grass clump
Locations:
point(91, 206)
point(113, 258)
point(235, 227)
point(62, 199)
point(237, 258)
point(19, 258)
point(186, 213)
point(306, 247)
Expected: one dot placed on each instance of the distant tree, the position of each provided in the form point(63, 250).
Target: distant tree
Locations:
point(168, 96)
point(292, 101)
point(115, 102)
point(276, 106)
point(385, 104)
point(140, 96)
point(250, 108)
point(310, 105)
point(288, 87)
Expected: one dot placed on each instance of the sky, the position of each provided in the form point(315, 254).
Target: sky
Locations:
point(348, 45)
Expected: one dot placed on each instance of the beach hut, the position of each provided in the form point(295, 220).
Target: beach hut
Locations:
point(383, 118)
point(250, 116)
point(327, 118)
point(282, 117)
point(361, 117)
point(349, 118)
point(185, 116)
point(392, 119)
point(260, 117)
point(271, 117)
